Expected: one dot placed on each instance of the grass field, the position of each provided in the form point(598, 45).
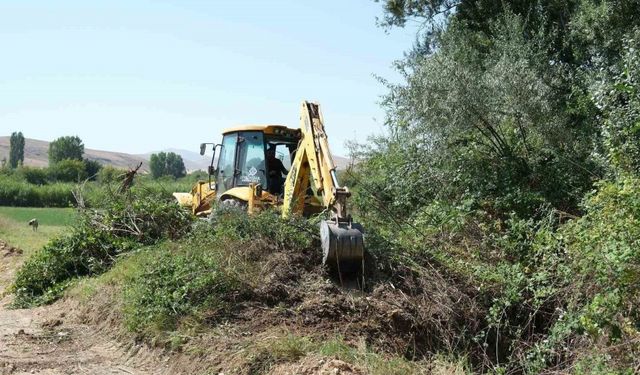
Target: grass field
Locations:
point(14, 228)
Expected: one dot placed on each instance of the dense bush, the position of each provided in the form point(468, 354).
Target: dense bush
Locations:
point(509, 115)
point(92, 168)
point(618, 95)
point(15, 192)
point(82, 252)
point(110, 174)
point(178, 281)
point(35, 176)
point(68, 170)
point(121, 224)
point(604, 248)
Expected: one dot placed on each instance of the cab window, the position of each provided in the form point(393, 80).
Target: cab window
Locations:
point(226, 163)
point(251, 154)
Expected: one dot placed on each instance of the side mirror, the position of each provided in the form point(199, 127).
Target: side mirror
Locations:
point(213, 168)
point(203, 148)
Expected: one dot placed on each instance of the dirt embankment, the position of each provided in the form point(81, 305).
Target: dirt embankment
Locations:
point(401, 314)
point(408, 315)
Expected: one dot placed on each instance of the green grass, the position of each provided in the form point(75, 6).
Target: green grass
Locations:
point(14, 228)
point(45, 216)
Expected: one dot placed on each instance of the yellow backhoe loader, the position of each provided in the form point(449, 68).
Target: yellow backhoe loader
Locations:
point(249, 171)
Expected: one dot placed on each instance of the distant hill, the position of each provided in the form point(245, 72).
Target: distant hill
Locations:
point(194, 161)
point(36, 155)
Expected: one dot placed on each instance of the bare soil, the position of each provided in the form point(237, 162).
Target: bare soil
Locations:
point(51, 340)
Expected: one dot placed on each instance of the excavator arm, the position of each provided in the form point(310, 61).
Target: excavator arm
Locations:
point(313, 169)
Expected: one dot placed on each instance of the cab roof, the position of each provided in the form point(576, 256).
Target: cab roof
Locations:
point(266, 129)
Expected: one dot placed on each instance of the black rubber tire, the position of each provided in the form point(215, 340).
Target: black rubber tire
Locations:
point(227, 205)
point(232, 204)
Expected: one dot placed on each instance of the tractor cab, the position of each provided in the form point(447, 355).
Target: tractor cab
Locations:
point(242, 158)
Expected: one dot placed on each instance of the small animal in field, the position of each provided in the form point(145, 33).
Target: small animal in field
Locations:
point(34, 224)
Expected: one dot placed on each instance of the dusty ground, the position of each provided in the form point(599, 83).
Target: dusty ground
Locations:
point(68, 338)
point(49, 340)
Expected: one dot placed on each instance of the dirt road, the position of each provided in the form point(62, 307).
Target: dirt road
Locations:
point(51, 340)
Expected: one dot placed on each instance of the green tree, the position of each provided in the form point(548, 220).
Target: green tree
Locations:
point(158, 164)
point(175, 165)
point(68, 170)
point(65, 148)
point(167, 164)
point(498, 103)
point(92, 168)
point(16, 149)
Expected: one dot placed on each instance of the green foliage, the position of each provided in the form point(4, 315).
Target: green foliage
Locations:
point(509, 114)
point(109, 174)
point(204, 275)
point(65, 148)
point(177, 281)
point(92, 168)
point(605, 248)
point(122, 224)
point(46, 274)
point(68, 170)
point(480, 118)
point(16, 192)
point(35, 176)
point(16, 149)
point(619, 99)
point(167, 164)
point(235, 225)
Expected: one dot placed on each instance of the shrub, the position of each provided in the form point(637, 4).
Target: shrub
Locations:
point(604, 247)
point(68, 170)
point(36, 176)
point(109, 174)
point(92, 168)
point(597, 315)
point(14, 192)
point(204, 274)
point(176, 281)
point(82, 252)
point(122, 224)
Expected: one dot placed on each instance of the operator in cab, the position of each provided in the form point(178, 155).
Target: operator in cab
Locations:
point(275, 170)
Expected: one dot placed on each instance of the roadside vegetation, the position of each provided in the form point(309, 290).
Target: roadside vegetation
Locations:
point(34, 187)
point(501, 207)
point(510, 164)
point(122, 224)
point(54, 186)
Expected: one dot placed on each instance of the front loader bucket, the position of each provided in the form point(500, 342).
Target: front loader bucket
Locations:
point(342, 244)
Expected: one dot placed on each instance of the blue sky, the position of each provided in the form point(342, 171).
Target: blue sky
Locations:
point(137, 76)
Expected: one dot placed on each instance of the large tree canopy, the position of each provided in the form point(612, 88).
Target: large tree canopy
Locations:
point(65, 148)
point(167, 164)
point(500, 102)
